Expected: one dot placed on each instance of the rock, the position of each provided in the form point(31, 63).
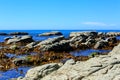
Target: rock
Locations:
point(39, 72)
point(90, 42)
point(63, 45)
point(18, 33)
point(14, 47)
point(51, 33)
point(26, 38)
point(7, 38)
point(87, 33)
point(112, 39)
point(103, 67)
point(101, 44)
point(1, 33)
point(31, 45)
point(113, 34)
point(19, 61)
point(51, 40)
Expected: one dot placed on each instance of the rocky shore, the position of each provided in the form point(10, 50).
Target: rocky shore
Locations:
point(52, 55)
point(103, 67)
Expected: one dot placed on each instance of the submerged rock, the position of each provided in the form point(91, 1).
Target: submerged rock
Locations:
point(51, 33)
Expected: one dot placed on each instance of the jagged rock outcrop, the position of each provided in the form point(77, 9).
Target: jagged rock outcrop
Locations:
point(103, 67)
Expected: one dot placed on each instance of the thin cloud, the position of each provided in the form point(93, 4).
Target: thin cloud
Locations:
point(97, 24)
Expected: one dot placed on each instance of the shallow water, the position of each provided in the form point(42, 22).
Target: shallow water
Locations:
point(13, 73)
point(87, 52)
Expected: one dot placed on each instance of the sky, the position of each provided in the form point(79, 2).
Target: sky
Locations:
point(59, 14)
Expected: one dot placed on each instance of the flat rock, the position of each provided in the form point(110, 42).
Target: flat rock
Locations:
point(50, 33)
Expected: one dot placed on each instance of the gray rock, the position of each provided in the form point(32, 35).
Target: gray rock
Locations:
point(103, 67)
point(39, 72)
point(113, 34)
point(112, 39)
point(101, 44)
point(63, 45)
point(31, 45)
point(21, 60)
point(51, 40)
point(51, 33)
point(87, 33)
point(26, 38)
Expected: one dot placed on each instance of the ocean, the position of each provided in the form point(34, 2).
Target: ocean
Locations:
point(34, 33)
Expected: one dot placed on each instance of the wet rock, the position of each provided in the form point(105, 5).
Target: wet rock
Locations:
point(51, 33)
point(24, 39)
point(18, 33)
point(101, 44)
point(19, 61)
point(2, 55)
point(41, 71)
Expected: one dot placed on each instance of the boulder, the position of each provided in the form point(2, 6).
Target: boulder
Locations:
point(15, 39)
point(50, 33)
point(18, 33)
point(63, 45)
point(50, 41)
point(39, 72)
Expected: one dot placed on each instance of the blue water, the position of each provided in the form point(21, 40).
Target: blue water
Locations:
point(13, 73)
point(88, 52)
point(35, 33)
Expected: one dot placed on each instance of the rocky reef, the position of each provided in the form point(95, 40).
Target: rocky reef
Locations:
point(52, 55)
point(102, 67)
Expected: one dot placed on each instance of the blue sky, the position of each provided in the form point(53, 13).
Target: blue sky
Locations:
point(60, 14)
